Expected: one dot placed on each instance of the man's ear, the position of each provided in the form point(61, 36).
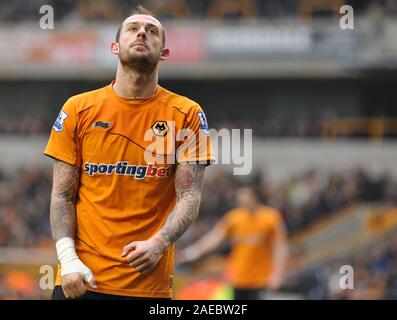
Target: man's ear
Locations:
point(114, 48)
point(165, 53)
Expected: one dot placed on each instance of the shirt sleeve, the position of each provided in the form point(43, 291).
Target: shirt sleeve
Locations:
point(196, 145)
point(62, 144)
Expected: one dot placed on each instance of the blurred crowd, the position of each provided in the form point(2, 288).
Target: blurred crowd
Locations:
point(301, 199)
point(320, 124)
point(24, 199)
point(315, 194)
point(25, 125)
point(302, 127)
point(19, 285)
point(24, 221)
point(114, 11)
point(305, 125)
point(24, 208)
point(375, 275)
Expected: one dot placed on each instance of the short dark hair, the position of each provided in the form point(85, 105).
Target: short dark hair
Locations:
point(139, 10)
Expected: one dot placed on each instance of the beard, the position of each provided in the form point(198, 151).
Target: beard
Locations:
point(138, 62)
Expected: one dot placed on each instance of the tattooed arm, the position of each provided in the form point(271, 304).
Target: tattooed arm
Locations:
point(63, 197)
point(74, 273)
point(144, 255)
point(188, 186)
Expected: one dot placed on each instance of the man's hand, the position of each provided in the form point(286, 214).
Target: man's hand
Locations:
point(144, 255)
point(74, 286)
point(75, 274)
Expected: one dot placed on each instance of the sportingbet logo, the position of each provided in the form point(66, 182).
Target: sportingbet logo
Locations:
point(125, 169)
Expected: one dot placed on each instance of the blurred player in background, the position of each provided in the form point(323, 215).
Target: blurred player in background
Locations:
point(259, 246)
point(114, 216)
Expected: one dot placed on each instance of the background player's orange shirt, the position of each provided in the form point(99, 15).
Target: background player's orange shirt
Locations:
point(252, 236)
point(123, 198)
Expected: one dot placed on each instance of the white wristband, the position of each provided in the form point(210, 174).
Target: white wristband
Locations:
point(70, 262)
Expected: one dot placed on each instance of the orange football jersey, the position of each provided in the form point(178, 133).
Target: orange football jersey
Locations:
point(127, 150)
point(252, 237)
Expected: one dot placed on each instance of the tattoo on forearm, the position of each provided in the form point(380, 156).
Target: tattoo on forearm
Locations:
point(63, 197)
point(188, 186)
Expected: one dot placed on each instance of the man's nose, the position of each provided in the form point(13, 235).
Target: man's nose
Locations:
point(141, 33)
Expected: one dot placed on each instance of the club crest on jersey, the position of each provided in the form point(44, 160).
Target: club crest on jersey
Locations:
point(58, 125)
point(160, 128)
point(203, 121)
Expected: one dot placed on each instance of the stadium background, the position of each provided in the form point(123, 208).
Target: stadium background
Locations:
point(320, 100)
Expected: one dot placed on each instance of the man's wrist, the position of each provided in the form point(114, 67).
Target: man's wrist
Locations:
point(69, 260)
point(163, 246)
point(66, 252)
